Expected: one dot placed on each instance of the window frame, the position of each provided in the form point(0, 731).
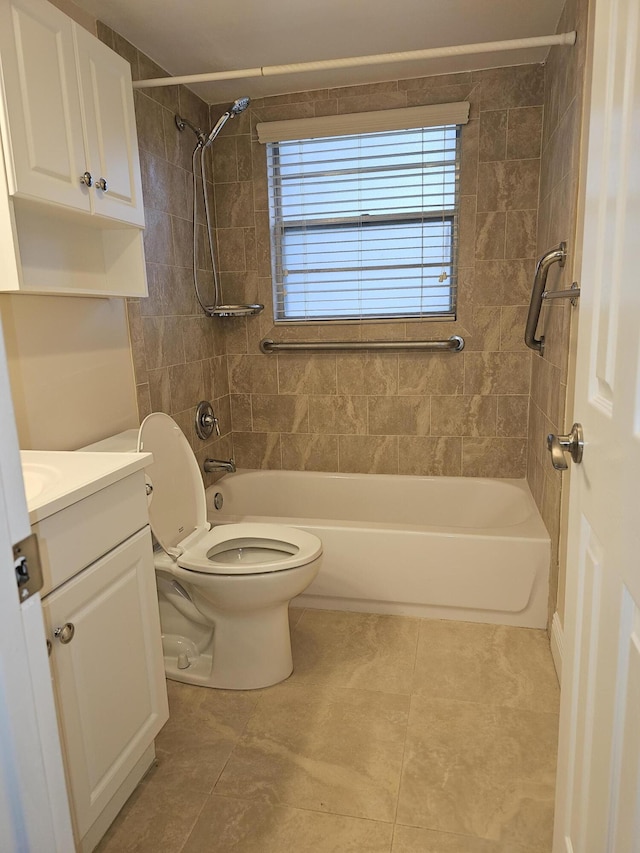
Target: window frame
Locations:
point(278, 228)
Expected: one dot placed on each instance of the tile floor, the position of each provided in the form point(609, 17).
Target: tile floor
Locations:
point(393, 735)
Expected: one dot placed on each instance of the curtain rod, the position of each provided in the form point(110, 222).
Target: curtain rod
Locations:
point(355, 61)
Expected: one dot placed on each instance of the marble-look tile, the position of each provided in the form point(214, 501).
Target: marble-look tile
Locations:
point(226, 825)
point(198, 339)
point(493, 135)
point(503, 282)
point(524, 136)
point(430, 456)
point(203, 727)
point(368, 454)
point(338, 415)
point(143, 401)
point(484, 330)
point(494, 457)
point(463, 415)
point(310, 374)
point(160, 390)
point(513, 319)
point(399, 415)
point(508, 185)
point(513, 415)
point(162, 341)
point(136, 336)
point(490, 235)
point(488, 664)
point(241, 418)
point(159, 815)
point(521, 234)
point(367, 373)
point(280, 412)
point(469, 144)
point(158, 238)
point(515, 86)
point(480, 770)
point(367, 651)
point(411, 839)
point(149, 123)
point(186, 383)
point(497, 373)
point(323, 749)
point(234, 205)
point(257, 450)
point(307, 452)
point(421, 373)
point(252, 374)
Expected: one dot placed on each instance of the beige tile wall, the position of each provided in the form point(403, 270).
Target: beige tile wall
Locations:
point(178, 353)
point(551, 374)
point(409, 413)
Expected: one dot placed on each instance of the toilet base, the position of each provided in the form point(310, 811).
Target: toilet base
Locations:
point(248, 651)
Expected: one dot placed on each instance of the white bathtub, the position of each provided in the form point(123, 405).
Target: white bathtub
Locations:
point(438, 547)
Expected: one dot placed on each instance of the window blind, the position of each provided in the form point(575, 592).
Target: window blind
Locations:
point(364, 226)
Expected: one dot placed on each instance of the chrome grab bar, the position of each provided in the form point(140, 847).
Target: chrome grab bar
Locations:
point(453, 344)
point(553, 256)
point(572, 294)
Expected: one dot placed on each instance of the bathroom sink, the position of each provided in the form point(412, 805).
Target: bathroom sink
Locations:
point(55, 479)
point(38, 478)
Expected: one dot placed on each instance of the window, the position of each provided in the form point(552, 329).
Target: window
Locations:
point(364, 225)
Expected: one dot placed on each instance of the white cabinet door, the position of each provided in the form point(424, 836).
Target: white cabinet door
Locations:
point(111, 139)
point(42, 128)
point(109, 678)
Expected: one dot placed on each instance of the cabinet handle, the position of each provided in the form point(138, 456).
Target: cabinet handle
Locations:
point(101, 184)
point(65, 634)
point(86, 179)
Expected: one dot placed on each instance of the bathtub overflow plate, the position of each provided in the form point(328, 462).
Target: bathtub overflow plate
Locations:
point(218, 500)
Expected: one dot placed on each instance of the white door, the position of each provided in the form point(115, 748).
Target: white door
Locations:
point(111, 138)
point(42, 128)
point(34, 812)
point(598, 794)
point(109, 677)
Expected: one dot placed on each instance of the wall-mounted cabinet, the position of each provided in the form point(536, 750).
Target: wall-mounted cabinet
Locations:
point(72, 213)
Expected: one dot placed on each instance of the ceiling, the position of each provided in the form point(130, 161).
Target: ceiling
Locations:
point(196, 36)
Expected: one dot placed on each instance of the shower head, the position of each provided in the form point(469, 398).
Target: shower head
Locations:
point(239, 106)
point(235, 109)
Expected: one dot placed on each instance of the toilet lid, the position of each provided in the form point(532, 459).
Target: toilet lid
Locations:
point(177, 503)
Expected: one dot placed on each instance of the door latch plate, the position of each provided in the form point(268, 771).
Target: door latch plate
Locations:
point(27, 567)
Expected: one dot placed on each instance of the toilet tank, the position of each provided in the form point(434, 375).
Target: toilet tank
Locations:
point(122, 442)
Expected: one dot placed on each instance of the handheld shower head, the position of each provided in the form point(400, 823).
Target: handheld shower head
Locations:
point(235, 109)
point(239, 106)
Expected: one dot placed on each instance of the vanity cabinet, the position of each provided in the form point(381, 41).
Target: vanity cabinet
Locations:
point(110, 695)
point(73, 210)
point(100, 606)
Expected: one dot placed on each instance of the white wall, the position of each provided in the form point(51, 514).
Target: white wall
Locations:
point(70, 369)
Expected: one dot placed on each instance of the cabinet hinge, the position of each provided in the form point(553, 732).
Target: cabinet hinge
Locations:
point(27, 566)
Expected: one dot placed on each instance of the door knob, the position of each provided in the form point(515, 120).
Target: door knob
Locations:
point(65, 634)
point(573, 444)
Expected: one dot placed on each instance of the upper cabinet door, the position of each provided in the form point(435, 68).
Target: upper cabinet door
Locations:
point(43, 141)
point(111, 140)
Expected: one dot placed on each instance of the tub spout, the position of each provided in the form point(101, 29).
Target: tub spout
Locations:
point(213, 465)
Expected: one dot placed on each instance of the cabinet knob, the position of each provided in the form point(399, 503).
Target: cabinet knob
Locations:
point(65, 634)
point(101, 184)
point(86, 179)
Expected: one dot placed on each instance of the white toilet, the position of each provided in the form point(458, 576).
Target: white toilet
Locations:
point(224, 592)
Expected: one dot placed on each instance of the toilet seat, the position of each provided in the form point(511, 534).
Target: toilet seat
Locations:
point(178, 515)
point(249, 549)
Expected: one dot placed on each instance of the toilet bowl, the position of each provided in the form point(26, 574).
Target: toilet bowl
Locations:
point(224, 592)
